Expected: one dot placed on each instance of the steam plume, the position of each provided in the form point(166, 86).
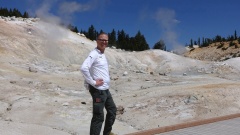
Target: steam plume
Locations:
point(166, 19)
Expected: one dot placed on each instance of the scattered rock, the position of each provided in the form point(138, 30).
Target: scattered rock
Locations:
point(65, 104)
point(163, 74)
point(83, 103)
point(31, 69)
point(125, 73)
point(13, 82)
point(120, 110)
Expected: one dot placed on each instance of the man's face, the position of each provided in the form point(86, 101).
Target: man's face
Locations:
point(102, 42)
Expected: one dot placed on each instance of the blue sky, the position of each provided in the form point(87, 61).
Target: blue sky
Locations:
point(176, 22)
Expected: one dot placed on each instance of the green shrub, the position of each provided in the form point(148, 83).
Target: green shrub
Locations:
point(232, 44)
point(220, 45)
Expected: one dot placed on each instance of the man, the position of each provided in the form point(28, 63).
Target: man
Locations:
point(96, 73)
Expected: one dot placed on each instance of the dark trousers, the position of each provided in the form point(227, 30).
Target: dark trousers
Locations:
point(101, 99)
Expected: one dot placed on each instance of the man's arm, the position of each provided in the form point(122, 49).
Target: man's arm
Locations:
point(85, 69)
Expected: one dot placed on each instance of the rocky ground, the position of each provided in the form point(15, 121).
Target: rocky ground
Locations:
point(42, 89)
point(219, 51)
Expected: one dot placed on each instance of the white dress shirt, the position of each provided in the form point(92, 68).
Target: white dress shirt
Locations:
point(95, 67)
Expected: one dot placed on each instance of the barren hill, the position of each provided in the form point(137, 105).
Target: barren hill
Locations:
point(42, 93)
point(219, 51)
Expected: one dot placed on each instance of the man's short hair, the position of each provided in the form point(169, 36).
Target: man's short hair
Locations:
point(102, 33)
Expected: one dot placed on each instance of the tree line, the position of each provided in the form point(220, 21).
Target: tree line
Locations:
point(204, 42)
point(118, 39)
point(13, 12)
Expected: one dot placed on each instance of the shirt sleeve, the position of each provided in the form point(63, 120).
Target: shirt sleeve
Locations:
point(85, 69)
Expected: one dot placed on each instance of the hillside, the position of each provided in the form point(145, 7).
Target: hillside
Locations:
point(42, 92)
point(219, 51)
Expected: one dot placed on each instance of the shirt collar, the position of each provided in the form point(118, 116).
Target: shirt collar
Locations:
point(98, 51)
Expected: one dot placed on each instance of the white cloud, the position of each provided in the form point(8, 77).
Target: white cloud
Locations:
point(72, 7)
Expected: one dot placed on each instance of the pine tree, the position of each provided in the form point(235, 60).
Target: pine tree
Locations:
point(10, 13)
point(70, 27)
point(191, 43)
point(92, 34)
point(126, 44)
point(218, 38)
point(199, 42)
point(25, 15)
point(140, 42)
point(4, 12)
point(112, 38)
point(160, 45)
point(121, 39)
point(75, 29)
point(131, 44)
point(235, 35)
point(16, 13)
